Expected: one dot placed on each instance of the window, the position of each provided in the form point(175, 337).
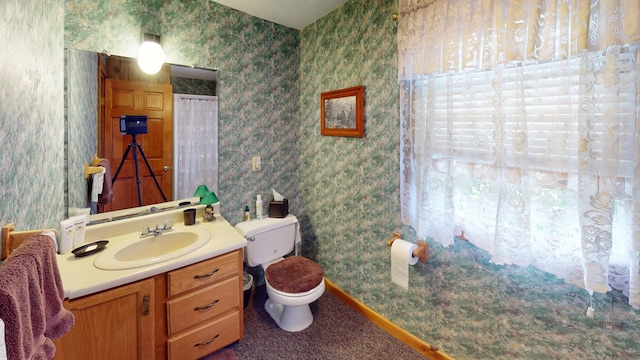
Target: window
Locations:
point(504, 155)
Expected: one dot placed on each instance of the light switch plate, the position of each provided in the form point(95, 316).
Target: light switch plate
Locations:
point(256, 163)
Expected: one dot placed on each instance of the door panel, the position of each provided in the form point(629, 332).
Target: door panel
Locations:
point(154, 101)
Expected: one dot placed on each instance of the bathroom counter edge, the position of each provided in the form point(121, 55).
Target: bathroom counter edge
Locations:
point(81, 278)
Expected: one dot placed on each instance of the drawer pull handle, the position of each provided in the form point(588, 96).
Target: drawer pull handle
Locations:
point(197, 308)
point(207, 342)
point(145, 305)
point(197, 277)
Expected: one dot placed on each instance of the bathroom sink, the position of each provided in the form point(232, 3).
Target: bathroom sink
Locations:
point(137, 252)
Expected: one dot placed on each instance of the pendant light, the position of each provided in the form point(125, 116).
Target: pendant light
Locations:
point(150, 55)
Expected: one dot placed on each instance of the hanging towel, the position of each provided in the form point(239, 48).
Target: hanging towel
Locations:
point(54, 239)
point(107, 195)
point(31, 296)
point(97, 184)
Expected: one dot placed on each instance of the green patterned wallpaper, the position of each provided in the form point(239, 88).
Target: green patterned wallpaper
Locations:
point(193, 86)
point(350, 186)
point(32, 139)
point(82, 121)
point(345, 191)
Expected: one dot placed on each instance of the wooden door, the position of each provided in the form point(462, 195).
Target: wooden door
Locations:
point(154, 101)
point(114, 324)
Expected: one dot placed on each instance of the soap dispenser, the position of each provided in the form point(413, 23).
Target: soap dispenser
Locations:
point(259, 207)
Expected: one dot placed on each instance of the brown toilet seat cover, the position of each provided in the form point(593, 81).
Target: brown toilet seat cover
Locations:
point(295, 274)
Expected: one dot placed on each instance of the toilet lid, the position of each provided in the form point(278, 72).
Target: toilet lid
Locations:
point(294, 275)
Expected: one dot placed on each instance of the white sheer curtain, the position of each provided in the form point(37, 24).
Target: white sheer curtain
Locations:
point(195, 143)
point(521, 131)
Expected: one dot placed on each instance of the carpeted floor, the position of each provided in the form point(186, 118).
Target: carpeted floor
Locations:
point(338, 332)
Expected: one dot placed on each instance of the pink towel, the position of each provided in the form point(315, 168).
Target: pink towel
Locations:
point(107, 195)
point(31, 296)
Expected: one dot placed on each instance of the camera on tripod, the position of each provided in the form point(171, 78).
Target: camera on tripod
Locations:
point(133, 124)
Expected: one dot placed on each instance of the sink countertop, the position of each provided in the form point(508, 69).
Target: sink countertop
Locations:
point(80, 277)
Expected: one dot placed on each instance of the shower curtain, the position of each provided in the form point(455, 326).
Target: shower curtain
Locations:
point(195, 132)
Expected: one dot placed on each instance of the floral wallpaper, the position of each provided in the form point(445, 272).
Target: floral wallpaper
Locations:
point(193, 86)
point(345, 191)
point(81, 103)
point(32, 129)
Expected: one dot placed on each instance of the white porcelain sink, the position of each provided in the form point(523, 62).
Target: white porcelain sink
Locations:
point(138, 252)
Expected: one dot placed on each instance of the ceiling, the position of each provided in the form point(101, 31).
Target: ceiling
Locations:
point(295, 14)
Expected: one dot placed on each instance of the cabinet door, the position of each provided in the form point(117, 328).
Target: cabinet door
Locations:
point(114, 324)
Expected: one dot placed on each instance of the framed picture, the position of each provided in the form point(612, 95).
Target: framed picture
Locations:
point(342, 112)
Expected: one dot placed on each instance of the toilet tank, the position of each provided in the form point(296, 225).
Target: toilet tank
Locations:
point(269, 238)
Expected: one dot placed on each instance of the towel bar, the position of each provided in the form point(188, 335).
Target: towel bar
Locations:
point(12, 239)
point(88, 170)
point(93, 168)
point(95, 160)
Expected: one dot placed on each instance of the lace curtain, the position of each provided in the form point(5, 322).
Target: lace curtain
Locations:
point(196, 144)
point(520, 132)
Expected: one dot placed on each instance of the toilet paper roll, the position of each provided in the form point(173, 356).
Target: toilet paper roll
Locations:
point(401, 258)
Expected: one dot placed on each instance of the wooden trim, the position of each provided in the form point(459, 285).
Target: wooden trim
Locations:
point(384, 323)
point(6, 240)
point(12, 239)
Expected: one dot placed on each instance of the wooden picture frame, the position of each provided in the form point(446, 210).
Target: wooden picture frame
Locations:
point(342, 112)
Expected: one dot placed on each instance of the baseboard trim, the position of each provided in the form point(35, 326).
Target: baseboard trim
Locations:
point(384, 323)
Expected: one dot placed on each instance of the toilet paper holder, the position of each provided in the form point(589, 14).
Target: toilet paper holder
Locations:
point(420, 252)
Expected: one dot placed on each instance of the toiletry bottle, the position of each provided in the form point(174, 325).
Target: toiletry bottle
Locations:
point(79, 223)
point(259, 207)
point(246, 213)
point(66, 236)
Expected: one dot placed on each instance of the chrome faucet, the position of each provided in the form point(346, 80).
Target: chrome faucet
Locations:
point(157, 230)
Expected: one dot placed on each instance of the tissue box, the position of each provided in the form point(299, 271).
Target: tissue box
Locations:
point(279, 209)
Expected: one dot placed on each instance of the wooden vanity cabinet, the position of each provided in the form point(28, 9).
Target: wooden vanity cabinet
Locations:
point(183, 314)
point(114, 324)
point(204, 306)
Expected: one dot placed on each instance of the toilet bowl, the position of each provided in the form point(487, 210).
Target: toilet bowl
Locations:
point(293, 282)
point(291, 288)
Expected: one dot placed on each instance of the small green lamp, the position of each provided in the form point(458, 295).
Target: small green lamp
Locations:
point(208, 199)
point(201, 191)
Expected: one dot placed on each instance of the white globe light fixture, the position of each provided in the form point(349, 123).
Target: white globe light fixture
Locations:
point(150, 55)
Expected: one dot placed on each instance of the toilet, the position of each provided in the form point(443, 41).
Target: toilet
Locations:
point(292, 283)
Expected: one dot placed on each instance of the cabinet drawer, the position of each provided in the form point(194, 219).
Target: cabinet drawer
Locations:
point(204, 273)
point(205, 339)
point(202, 305)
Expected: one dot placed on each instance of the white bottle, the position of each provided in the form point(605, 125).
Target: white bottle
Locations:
point(259, 207)
point(79, 223)
point(66, 236)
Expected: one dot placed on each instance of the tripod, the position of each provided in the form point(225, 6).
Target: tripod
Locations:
point(136, 146)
